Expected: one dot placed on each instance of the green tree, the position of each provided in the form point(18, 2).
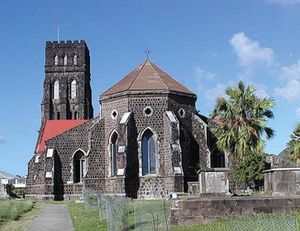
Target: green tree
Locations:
point(240, 124)
point(293, 146)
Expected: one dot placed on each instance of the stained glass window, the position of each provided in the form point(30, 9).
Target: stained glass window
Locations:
point(148, 153)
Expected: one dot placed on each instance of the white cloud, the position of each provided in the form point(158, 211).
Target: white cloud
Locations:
point(203, 74)
point(290, 91)
point(284, 2)
point(2, 140)
point(261, 90)
point(298, 111)
point(250, 52)
point(291, 72)
point(212, 94)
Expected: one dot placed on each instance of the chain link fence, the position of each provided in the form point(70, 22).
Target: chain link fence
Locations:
point(154, 215)
point(113, 208)
point(265, 222)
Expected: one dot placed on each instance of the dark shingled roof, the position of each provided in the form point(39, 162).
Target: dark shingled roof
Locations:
point(147, 76)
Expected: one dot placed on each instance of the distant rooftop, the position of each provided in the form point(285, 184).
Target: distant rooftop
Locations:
point(6, 175)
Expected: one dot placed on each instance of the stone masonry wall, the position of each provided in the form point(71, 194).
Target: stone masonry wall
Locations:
point(204, 210)
point(94, 178)
point(65, 146)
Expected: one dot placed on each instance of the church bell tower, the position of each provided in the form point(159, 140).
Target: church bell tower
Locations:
point(67, 91)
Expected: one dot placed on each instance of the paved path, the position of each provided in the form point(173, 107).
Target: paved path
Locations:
point(52, 218)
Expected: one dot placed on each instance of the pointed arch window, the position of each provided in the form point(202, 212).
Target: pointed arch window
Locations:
point(79, 167)
point(56, 90)
point(65, 60)
point(148, 153)
point(73, 89)
point(56, 60)
point(75, 60)
point(113, 153)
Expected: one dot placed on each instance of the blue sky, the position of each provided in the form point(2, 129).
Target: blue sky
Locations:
point(206, 45)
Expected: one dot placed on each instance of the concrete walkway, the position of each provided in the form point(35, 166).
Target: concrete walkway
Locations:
point(52, 218)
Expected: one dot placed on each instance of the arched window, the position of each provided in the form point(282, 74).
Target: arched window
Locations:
point(148, 153)
point(56, 90)
point(73, 89)
point(113, 153)
point(75, 60)
point(79, 167)
point(56, 60)
point(65, 60)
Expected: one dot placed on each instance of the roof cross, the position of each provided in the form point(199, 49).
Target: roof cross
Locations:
point(147, 52)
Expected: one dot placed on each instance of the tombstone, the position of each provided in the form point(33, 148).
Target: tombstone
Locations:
point(214, 181)
point(3, 193)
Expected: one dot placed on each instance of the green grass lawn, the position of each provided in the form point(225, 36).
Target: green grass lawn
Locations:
point(12, 210)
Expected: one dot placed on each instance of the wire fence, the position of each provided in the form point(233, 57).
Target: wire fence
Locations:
point(152, 216)
point(113, 208)
point(265, 222)
point(123, 215)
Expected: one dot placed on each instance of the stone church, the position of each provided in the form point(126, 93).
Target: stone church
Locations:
point(147, 142)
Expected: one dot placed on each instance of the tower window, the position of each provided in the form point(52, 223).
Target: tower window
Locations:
point(56, 90)
point(56, 60)
point(65, 60)
point(75, 60)
point(148, 153)
point(113, 152)
point(73, 89)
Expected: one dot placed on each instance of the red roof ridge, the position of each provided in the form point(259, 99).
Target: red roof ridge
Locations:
point(52, 128)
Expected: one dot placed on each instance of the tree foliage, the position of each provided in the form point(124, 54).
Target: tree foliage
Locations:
point(239, 121)
point(250, 169)
point(293, 146)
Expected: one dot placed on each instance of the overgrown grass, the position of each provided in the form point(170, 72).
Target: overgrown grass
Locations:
point(22, 222)
point(85, 219)
point(12, 210)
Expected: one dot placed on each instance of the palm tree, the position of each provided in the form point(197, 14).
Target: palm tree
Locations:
point(293, 146)
point(240, 121)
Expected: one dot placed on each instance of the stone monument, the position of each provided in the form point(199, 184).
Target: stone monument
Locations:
point(3, 193)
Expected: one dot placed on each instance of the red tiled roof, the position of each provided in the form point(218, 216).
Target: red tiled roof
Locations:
point(147, 76)
point(53, 128)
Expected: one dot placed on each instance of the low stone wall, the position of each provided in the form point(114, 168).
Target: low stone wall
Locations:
point(204, 210)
